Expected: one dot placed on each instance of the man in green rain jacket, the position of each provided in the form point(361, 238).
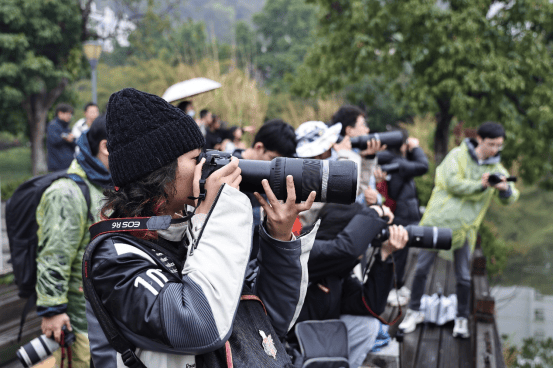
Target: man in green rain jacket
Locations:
point(459, 201)
point(62, 217)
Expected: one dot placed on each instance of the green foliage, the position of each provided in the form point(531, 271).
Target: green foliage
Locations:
point(286, 29)
point(39, 45)
point(527, 227)
point(7, 279)
point(373, 94)
point(495, 249)
point(534, 353)
point(15, 168)
point(460, 63)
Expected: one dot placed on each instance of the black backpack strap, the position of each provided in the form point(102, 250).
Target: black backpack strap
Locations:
point(84, 189)
point(112, 333)
point(31, 301)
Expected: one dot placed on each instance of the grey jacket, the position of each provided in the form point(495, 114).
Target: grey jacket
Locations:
point(171, 317)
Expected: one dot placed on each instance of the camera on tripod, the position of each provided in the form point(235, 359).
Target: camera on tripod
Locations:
point(422, 237)
point(333, 181)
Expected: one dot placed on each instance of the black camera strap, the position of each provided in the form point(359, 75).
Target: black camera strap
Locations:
point(118, 225)
point(112, 333)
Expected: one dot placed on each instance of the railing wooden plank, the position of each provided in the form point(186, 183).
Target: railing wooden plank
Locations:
point(428, 351)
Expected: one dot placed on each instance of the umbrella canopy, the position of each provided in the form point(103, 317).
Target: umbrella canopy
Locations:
point(189, 88)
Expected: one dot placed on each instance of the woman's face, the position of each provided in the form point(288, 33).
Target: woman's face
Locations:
point(184, 176)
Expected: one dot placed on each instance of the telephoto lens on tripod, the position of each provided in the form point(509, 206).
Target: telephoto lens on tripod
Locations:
point(422, 237)
point(41, 348)
point(333, 181)
point(391, 139)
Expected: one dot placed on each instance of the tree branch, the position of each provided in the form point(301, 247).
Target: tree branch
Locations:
point(51, 96)
point(85, 14)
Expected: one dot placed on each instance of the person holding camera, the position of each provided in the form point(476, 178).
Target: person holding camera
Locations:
point(410, 161)
point(459, 201)
point(63, 219)
point(174, 292)
point(354, 124)
point(60, 142)
point(343, 238)
point(274, 139)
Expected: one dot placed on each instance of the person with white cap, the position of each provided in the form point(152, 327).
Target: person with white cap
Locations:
point(342, 240)
point(316, 140)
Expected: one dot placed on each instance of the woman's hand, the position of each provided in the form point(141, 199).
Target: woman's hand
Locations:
point(397, 240)
point(229, 174)
point(281, 215)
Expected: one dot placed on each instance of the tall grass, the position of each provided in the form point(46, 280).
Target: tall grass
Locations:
point(240, 101)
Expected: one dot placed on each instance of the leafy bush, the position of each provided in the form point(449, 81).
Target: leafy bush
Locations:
point(495, 249)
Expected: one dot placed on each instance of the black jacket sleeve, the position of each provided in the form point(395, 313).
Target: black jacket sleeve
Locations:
point(358, 298)
point(415, 165)
point(338, 256)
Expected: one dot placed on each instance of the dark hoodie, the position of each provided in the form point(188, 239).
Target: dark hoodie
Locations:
point(60, 152)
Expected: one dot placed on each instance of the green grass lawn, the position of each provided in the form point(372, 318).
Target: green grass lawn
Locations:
point(15, 167)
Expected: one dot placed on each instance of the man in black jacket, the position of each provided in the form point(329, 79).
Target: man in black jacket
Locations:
point(411, 162)
point(334, 291)
point(60, 142)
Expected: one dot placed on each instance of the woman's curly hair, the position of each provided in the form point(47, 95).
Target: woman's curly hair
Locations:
point(145, 197)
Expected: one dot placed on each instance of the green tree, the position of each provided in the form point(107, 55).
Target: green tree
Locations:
point(285, 27)
point(40, 52)
point(464, 61)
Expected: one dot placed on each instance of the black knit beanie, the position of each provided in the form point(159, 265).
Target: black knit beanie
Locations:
point(145, 133)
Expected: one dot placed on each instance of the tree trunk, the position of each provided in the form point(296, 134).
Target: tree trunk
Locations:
point(442, 131)
point(36, 106)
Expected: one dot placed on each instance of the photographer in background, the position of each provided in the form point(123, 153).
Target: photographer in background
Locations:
point(63, 222)
point(60, 142)
point(345, 233)
point(459, 201)
point(354, 124)
point(401, 188)
point(274, 139)
point(83, 124)
point(174, 293)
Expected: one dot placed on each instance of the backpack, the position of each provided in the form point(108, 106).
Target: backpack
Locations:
point(22, 227)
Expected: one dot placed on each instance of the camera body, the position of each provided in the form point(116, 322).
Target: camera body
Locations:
point(496, 178)
point(422, 237)
point(333, 181)
point(42, 347)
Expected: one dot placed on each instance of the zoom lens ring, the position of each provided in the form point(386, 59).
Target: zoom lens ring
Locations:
point(311, 178)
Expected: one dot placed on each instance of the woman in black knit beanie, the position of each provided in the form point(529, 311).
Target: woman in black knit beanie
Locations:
point(174, 293)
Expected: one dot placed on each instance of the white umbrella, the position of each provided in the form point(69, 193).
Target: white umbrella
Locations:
point(189, 88)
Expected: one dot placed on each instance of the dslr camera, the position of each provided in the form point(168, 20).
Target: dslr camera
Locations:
point(333, 181)
point(496, 178)
point(422, 237)
point(42, 347)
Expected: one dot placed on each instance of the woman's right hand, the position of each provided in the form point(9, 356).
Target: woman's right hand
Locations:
point(229, 174)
